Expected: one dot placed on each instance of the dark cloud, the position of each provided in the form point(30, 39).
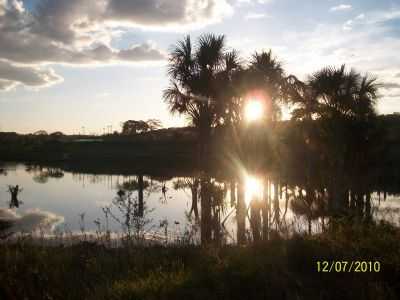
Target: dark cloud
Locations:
point(50, 35)
point(141, 52)
point(161, 12)
point(80, 32)
point(11, 75)
point(391, 85)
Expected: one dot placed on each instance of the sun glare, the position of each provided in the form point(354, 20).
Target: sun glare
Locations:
point(253, 187)
point(253, 110)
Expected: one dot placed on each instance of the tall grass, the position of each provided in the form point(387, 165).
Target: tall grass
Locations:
point(277, 269)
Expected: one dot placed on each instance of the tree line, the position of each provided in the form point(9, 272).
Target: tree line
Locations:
point(329, 149)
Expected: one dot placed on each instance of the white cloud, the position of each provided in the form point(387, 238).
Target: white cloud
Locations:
point(251, 3)
point(103, 95)
point(254, 16)
point(368, 49)
point(360, 17)
point(341, 7)
point(348, 25)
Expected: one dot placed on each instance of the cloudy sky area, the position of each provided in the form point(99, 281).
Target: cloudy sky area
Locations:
point(93, 63)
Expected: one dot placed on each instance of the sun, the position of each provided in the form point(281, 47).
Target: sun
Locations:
point(253, 188)
point(253, 110)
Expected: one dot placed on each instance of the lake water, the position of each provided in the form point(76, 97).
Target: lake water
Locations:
point(54, 199)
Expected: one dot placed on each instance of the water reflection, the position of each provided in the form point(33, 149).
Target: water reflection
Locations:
point(30, 221)
point(201, 207)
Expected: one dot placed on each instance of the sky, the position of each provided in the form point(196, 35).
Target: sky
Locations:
point(69, 64)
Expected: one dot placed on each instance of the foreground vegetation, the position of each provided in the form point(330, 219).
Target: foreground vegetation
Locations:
point(276, 269)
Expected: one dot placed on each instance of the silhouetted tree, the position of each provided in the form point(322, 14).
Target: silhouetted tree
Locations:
point(337, 114)
point(201, 83)
point(131, 127)
point(40, 132)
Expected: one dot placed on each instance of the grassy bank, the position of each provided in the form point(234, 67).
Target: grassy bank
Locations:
point(279, 269)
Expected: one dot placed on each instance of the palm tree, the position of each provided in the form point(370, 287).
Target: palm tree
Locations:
point(200, 85)
point(303, 96)
point(343, 103)
point(343, 93)
point(202, 89)
point(266, 73)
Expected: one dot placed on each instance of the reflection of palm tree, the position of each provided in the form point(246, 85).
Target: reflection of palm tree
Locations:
point(241, 213)
point(312, 205)
point(193, 184)
point(212, 196)
point(140, 194)
point(140, 185)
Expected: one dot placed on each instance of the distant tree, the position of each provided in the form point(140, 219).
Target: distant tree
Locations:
point(154, 124)
point(40, 132)
point(131, 127)
point(57, 133)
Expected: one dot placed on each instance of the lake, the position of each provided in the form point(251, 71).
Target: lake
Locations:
point(57, 200)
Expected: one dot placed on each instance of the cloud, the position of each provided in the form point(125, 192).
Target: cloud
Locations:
point(30, 221)
point(360, 17)
point(142, 52)
point(80, 32)
point(391, 85)
point(252, 2)
point(12, 75)
point(348, 25)
point(393, 95)
point(341, 7)
point(166, 13)
point(369, 48)
point(254, 16)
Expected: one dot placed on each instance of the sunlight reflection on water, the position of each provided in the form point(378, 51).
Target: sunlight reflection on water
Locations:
point(54, 199)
